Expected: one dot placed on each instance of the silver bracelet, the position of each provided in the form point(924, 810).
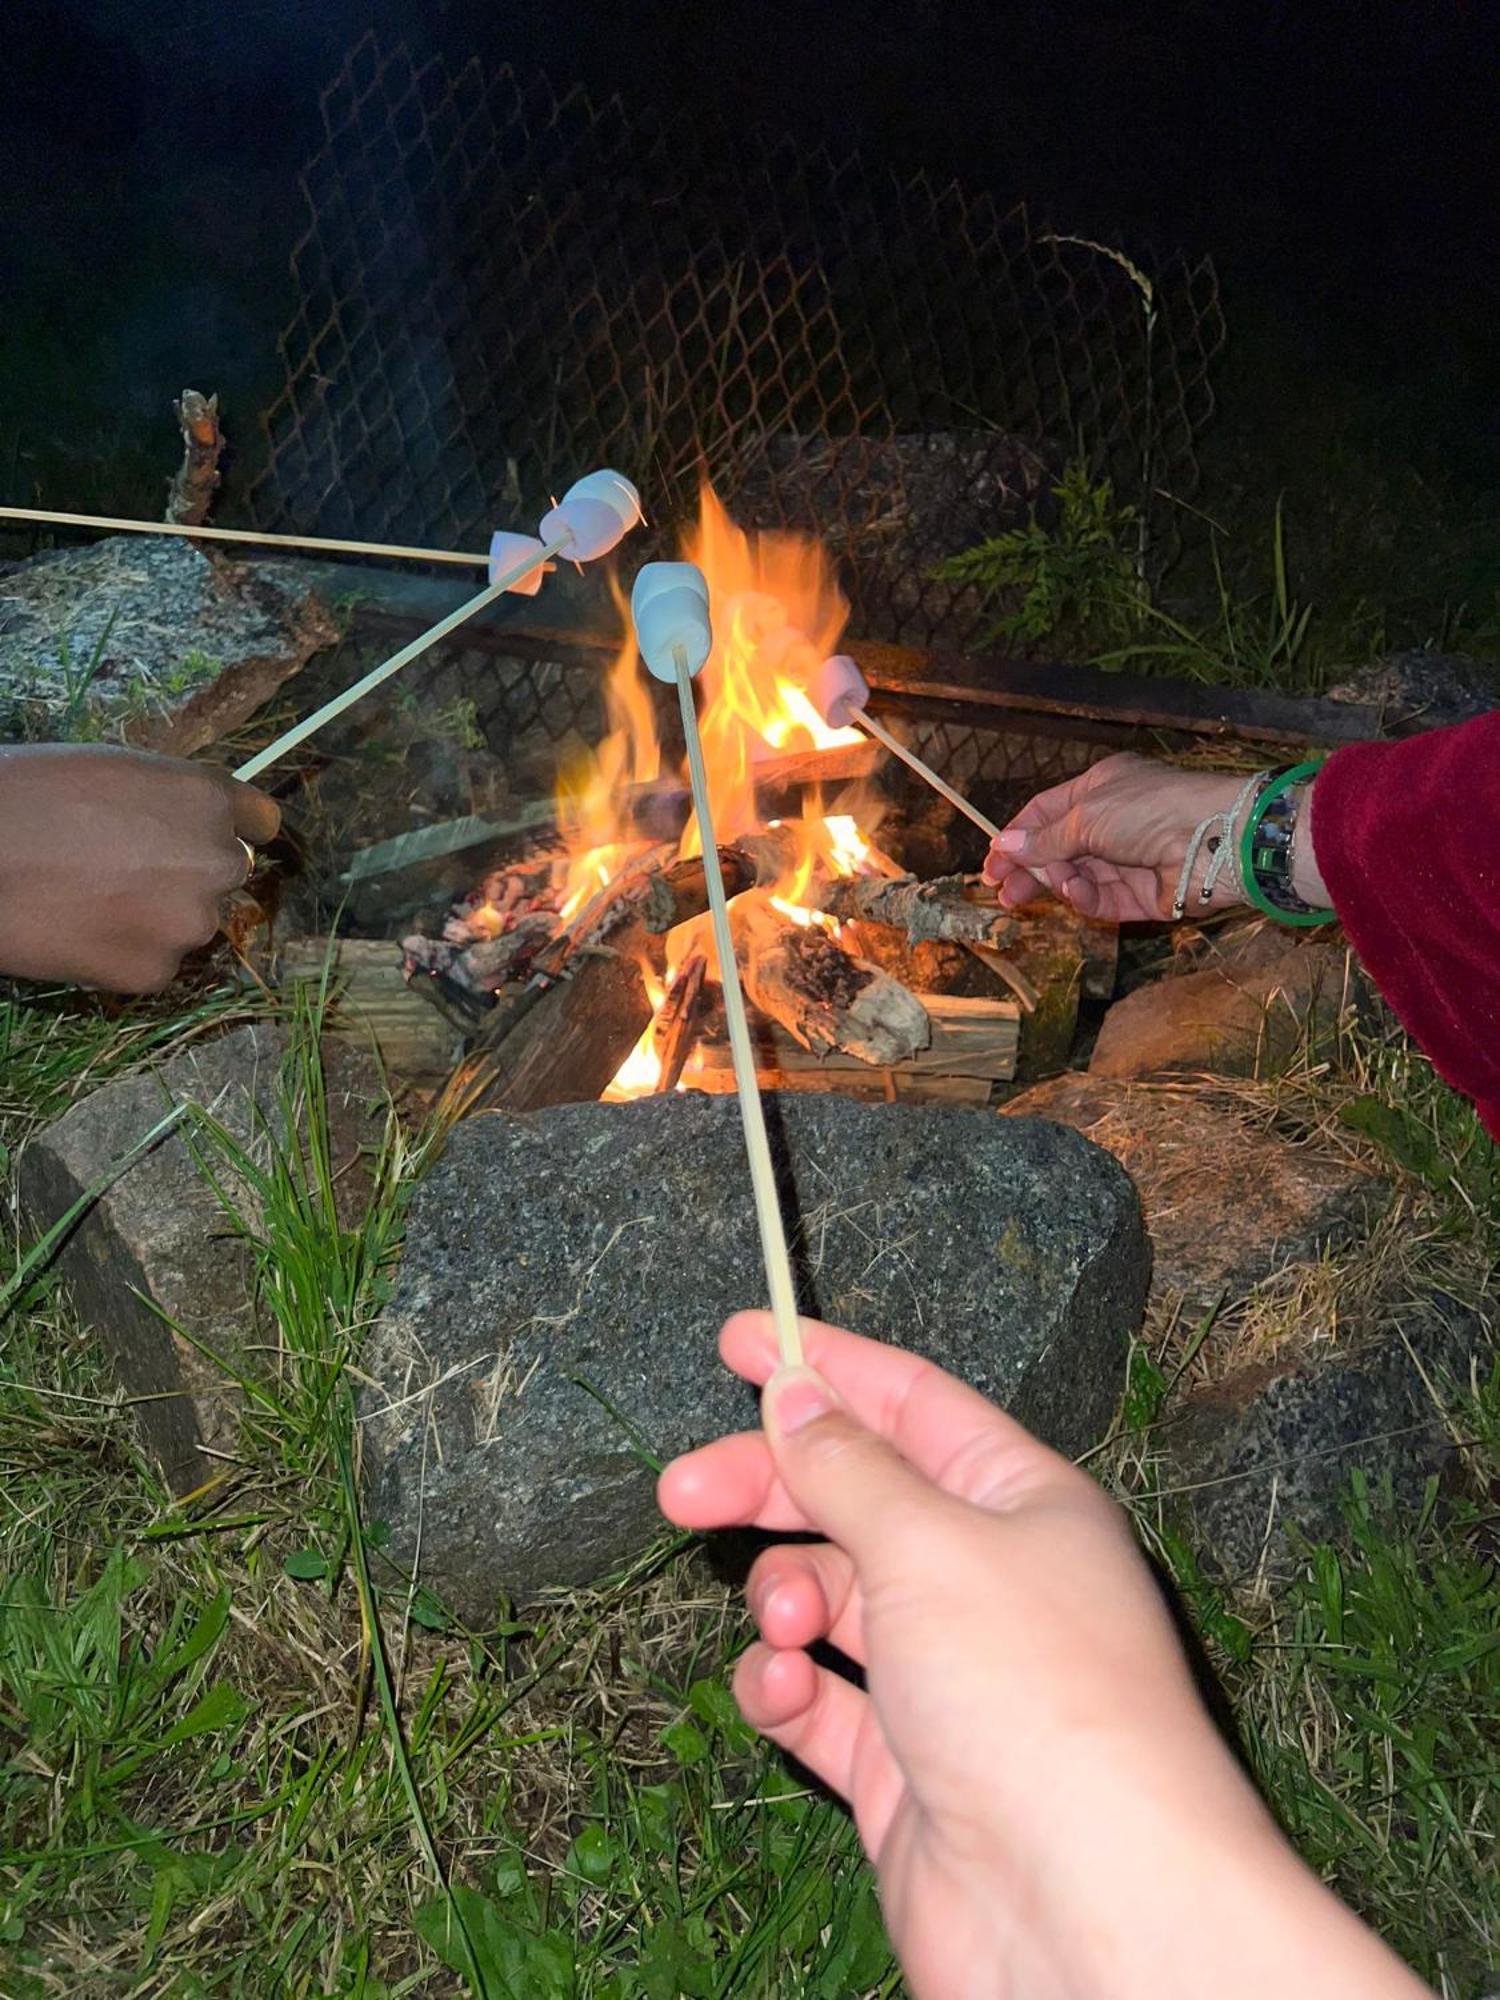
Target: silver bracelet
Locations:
point(1217, 832)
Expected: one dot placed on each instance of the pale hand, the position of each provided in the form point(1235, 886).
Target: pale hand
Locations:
point(1112, 841)
point(1049, 1810)
point(114, 863)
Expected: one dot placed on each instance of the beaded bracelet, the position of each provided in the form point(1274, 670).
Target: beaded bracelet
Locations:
point(1266, 850)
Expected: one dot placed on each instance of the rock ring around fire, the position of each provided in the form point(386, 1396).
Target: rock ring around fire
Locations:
point(553, 1327)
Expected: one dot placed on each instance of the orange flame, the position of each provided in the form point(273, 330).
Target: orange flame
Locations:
point(640, 1073)
point(777, 613)
point(590, 788)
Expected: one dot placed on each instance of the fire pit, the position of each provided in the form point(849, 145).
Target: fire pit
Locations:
point(579, 964)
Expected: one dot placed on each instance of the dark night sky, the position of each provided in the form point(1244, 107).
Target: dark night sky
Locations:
point(1340, 161)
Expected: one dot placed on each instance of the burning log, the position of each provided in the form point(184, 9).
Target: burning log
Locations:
point(924, 910)
point(799, 770)
point(827, 1000)
point(566, 1047)
point(680, 892)
point(677, 1026)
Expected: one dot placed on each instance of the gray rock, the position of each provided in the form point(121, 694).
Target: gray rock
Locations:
point(157, 1242)
point(149, 642)
point(1272, 1449)
point(1231, 1018)
point(1227, 1205)
point(1421, 690)
point(565, 1277)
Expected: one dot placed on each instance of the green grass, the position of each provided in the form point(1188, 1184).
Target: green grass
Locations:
point(1366, 1692)
point(241, 1754)
point(1352, 515)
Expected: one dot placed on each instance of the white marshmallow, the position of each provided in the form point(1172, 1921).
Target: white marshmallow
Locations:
point(669, 608)
point(839, 691)
point(596, 512)
point(506, 550)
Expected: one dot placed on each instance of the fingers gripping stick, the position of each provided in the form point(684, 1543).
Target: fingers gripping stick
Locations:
point(840, 694)
point(669, 606)
point(593, 517)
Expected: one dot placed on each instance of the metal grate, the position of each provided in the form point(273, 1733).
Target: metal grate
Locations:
point(501, 286)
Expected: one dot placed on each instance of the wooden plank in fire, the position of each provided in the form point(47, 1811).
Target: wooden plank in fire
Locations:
point(371, 1002)
point(973, 1040)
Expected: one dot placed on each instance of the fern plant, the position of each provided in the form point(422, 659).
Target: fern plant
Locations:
point(1074, 581)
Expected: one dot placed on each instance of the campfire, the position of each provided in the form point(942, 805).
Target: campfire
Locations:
point(588, 962)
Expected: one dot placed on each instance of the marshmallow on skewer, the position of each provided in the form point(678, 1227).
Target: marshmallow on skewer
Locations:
point(669, 606)
point(595, 514)
point(507, 550)
point(840, 693)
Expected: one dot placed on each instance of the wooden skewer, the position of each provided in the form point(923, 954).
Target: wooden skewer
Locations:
point(321, 543)
point(752, 1112)
point(300, 731)
point(910, 758)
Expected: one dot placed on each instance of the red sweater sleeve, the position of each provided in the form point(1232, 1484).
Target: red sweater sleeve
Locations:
point(1407, 838)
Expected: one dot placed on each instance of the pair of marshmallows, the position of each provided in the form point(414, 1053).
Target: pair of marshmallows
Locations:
point(593, 517)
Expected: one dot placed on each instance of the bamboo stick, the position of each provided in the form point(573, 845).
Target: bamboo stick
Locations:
point(925, 771)
point(752, 1112)
point(308, 726)
point(323, 544)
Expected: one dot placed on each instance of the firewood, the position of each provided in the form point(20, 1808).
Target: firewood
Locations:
point(798, 769)
point(890, 1086)
point(677, 1026)
point(680, 892)
point(565, 1045)
point(662, 892)
point(922, 909)
point(973, 1047)
point(802, 978)
point(370, 1001)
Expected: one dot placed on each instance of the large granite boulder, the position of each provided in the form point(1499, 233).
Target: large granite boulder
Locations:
point(155, 1267)
point(553, 1324)
point(149, 642)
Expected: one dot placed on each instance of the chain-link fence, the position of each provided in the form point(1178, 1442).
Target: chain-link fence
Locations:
point(501, 287)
